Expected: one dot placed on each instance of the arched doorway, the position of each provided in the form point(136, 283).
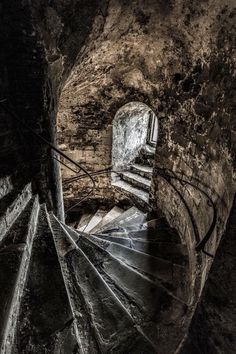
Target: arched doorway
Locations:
point(135, 134)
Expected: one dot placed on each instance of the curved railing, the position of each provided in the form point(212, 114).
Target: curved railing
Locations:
point(162, 172)
point(78, 168)
point(168, 174)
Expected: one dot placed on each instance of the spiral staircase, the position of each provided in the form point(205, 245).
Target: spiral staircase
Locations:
point(122, 288)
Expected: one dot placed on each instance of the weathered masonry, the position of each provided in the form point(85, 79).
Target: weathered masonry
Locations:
point(117, 177)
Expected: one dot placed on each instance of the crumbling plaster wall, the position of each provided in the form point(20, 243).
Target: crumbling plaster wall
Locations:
point(178, 57)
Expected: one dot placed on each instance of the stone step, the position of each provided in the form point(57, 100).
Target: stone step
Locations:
point(160, 234)
point(167, 250)
point(84, 220)
point(130, 216)
point(17, 233)
point(130, 227)
point(136, 180)
point(145, 300)
point(164, 235)
point(109, 217)
point(45, 317)
point(15, 253)
point(11, 206)
point(95, 220)
point(65, 245)
point(142, 170)
point(153, 267)
point(142, 195)
point(5, 186)
point(146, 156)
point(104, 324)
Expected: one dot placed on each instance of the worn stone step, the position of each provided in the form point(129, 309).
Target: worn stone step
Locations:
point(136, 180)
point(148, 235)
point(11, 205)
point(170, 251)
point(65, 243)
point(142, 195)
point(130, 216)
point(145, 300)
point(95, 220)
point(45, 317)
point(153, 267)
point(109, 217)
point(5, 186)
point(17, 233)
point(15, 253)
point(99, 251)
point(154, 224)
point(142, 170)
point(84, 220)
point(101, 316)
point(164, 235)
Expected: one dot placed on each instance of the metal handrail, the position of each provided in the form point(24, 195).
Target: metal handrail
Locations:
point(64, 164)
point(54, 148)
point(165, 173)
point(94, 173)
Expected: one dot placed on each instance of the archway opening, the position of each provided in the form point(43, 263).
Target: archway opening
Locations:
point(134, 139)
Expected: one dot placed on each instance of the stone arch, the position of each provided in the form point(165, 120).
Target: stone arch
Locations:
point(131, 131)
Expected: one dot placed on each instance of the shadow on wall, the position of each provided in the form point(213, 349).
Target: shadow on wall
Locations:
point(133, 128)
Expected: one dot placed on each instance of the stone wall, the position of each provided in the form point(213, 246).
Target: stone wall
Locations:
point(179, 59)
point(213, 327)
point(39, 44)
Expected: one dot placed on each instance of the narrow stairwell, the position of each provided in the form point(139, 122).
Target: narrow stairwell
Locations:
point(121, 288)
point(137, 180)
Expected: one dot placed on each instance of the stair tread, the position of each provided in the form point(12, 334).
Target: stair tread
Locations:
point(95, 220)
point(140, 193)
point(84, 220)
point(102, 256)
point(11, 207)
point(142, 170)
point(156, 267)
point(162, 235)
point(131, 215)
point(144, 299)
point(64, 245)
point(14, 259)
point(5, 186)
point(171, 251)
point(137, 178)
point(109, 217)
point(44, 298)
point(120, 290)
point(109, 319)
point(18, 230)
